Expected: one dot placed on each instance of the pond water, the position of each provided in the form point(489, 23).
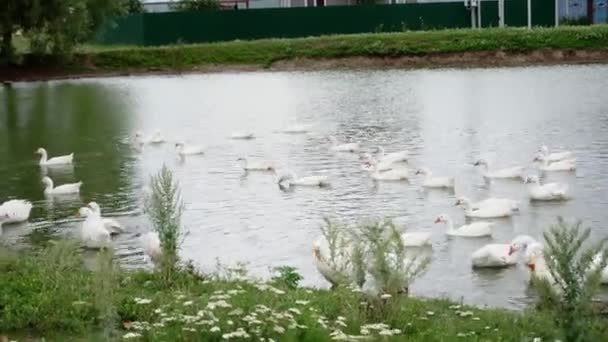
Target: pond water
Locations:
point(446, 118)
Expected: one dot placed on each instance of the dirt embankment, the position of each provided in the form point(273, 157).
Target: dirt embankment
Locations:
point(462, 60)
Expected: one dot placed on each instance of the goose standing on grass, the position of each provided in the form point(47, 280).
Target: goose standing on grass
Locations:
point(289, 180)
point(186, 150)
point(393, 175)
point(252, 165)
point(562, 165)
point(152, 248)
point(15, 211)
point(497, 255)
point(488, 208)
point(242, 136)
point(61, 160)
point(514, 172)
point(399, 156)
point(347, 147)
point(546, 192)
point(543, 154)
point(475, 229)
point(435, 182)
point(64, 189)
point(111, 225)
point(93, 231)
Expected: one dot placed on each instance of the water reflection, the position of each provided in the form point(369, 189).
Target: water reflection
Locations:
point(447, 119)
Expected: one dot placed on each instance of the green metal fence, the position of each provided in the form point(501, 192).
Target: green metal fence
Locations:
point(152, 29)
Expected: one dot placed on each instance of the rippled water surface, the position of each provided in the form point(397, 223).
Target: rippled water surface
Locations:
point(446, 118)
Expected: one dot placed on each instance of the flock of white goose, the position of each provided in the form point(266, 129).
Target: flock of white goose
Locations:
point(96, 231)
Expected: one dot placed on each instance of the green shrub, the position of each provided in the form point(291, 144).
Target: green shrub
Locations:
point(164, 207)
point(576, 273)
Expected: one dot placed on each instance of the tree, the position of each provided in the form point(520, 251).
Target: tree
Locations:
point(134, 6)
point(16, 15)
point(197, 5)
point(67, 23)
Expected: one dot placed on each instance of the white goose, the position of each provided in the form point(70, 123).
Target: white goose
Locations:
point(347, 147)
point(61, 160)
point(497, 254)
point(524, 243)
point(380, 165)
point(416, 239)
point(399, 156)
point(597, 263)
point(296, 129)
point(157, 138)
point(64, 189)
point(93, 232)
point(507, 173)
point(242, 136)
point(562, 165)
point(15, 211)
point(186, 150)
point(392, 175)
point(334, 269)
point(488, 208)
point(151, 245)
point(435, 182)
point(548, 191)
point(535, 260)
point(111, 225)
point(543, 154)
point(256, 165)
point(475, 229)
point(290, 180)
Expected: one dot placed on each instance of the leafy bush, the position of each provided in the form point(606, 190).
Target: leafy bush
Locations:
point(164, 207)
point(287, 276)
point(575, 273)
point(373, 255)
point(390, 267)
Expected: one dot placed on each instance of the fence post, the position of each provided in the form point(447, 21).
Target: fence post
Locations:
point(479, 14)
point(529, 14)
point(501, 13)
point(556, 13)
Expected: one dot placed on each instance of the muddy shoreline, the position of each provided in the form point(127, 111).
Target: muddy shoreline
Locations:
point(486, 59)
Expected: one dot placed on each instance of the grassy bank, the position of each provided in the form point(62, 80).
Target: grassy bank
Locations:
point(50, 293)
point(473, 47)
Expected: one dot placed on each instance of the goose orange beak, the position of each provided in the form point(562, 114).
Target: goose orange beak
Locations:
point(532, 267)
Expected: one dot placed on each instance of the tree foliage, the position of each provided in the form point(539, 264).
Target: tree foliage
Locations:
point(134, 6)
point(17, 15)
point(55, 26)
point(197, 5)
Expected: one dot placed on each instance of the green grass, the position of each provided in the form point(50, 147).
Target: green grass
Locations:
point(265, 52)
point(48, 292)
